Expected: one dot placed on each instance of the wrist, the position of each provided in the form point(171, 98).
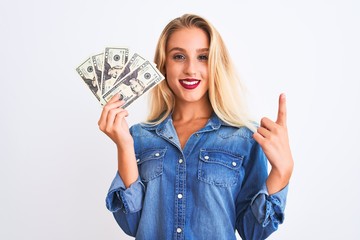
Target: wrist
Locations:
point(125, 145)
point(278, 179)
point(283, 172)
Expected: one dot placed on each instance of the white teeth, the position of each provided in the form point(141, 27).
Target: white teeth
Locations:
point(190, 83)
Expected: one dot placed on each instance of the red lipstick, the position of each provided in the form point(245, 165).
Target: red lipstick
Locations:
point(189, 83)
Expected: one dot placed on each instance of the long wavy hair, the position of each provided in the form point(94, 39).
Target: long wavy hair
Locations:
point(226, 93)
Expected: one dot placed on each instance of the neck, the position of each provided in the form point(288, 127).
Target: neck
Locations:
point(188, 111)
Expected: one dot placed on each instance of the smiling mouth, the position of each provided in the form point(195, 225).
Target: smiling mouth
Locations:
point(189, 83)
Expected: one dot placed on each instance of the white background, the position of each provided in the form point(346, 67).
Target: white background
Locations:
point(56, 166)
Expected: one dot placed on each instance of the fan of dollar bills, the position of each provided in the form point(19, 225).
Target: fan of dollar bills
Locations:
point(112, 72)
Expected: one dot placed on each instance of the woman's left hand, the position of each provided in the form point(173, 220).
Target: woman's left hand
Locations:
point(274, 140)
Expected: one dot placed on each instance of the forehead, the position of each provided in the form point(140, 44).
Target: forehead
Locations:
point(188, 39)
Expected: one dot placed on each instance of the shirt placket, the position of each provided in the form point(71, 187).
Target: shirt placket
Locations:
point(169, 133)
point(180, 198)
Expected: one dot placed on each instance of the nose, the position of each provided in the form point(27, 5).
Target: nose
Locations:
point(190, 67)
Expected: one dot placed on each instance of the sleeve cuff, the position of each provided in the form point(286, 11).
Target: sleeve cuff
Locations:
point(129, 199)
point(269, 208)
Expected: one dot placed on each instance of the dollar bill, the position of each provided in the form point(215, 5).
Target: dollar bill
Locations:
point(135, 61)
point(98, 62)
point(87, 73)
point(136, 83)
point(114, 62)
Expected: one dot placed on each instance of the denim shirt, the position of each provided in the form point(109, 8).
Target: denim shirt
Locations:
point(206, 190)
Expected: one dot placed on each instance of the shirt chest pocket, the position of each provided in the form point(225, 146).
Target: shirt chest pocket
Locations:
point(219, 168)
point(150, 163)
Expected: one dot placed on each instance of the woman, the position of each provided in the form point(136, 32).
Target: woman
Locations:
point(195, 170)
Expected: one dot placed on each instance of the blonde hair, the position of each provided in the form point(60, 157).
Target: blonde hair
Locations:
point(225, 89)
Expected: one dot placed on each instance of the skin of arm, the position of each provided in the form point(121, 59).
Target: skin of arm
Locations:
point(274, 140)
point(112, 122)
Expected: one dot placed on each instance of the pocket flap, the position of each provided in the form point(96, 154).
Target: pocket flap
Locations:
point(227, 159)
point(150, 154)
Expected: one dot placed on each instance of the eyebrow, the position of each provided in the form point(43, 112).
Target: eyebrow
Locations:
point(183, 50)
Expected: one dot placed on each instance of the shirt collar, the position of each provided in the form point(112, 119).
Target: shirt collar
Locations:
point(213, 123)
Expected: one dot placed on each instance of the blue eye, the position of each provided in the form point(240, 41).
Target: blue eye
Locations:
point(178, 57)
point(203, 57)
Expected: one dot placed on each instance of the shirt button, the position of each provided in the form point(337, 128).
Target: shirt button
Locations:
point(206, 157)
point(138, 160)
point(180, 160)
point(178, 230)
point(180, 195)
point(157, 154)
point(234, 164)
point(197, 135)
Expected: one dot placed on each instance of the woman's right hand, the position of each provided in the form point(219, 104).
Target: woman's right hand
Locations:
point(112, 122)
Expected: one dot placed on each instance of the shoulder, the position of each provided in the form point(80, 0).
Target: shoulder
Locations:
point(236, 139)
point(142, 129)
point(242, 133)
point(228, 130)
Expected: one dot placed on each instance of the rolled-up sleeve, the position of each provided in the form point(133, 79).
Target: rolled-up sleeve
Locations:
point(258, 213)
point(129, 200)
point(269, 208)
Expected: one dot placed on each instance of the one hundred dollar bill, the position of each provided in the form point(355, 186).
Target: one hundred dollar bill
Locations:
point(136, 83)
point(135, 61)
point(87, 73)
point(114, 63)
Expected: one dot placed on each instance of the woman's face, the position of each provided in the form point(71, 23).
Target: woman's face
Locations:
point(186, 64)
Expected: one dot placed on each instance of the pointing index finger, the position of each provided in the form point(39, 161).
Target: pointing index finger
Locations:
point(281, 118)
